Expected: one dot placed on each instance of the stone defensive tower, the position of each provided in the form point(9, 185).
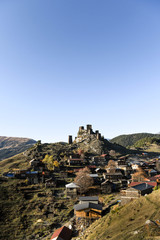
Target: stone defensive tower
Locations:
point(81, 128)
point(158, 165)
point(89, 128)
point(70, 139)
point(98, 136)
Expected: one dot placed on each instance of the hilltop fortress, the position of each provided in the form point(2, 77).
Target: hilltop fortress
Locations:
point(85, 133)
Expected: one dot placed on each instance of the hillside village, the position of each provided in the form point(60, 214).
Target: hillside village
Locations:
point(90, 174)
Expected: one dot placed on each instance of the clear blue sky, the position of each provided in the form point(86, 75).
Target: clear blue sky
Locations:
point(66, 63)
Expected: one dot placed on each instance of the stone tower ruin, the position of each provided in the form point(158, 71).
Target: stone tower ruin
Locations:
point(70, 139)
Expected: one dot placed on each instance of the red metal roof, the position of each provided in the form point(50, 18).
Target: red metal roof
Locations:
point(132, 184)
point(63, 232)
point(103, 155)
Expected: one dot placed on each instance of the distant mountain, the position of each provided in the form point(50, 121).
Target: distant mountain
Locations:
point(10, 146)
point(130, 139)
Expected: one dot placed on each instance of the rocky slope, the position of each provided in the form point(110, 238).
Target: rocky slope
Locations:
point(10, 146)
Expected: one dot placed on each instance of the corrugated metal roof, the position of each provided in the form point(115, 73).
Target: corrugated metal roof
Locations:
point(72, 185)
point(82, 206)
point(93, 175)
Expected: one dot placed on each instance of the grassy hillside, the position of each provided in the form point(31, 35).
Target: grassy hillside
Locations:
point(128, 222)
point(30, 212)
point(146, 142)
point(17, 161)
point(10, 146)
point(130, 139)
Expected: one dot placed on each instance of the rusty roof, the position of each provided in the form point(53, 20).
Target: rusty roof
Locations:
point(64, 233)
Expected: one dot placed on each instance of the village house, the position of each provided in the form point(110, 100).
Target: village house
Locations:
point(34, 162)
point(122, 160)
point(76, 161)
point(151, 172)
point(62, 233)
point(32, 177)
point(50, 182)
point(124, 166)
point(117, 179)
point(72, 190)
point(132, 184)
point(95, 178)
point(19, 173)
point(107, 187)
point(135, 192)
point(101, 160)
point(113, 177)
point(88, 210)
point(89, 207)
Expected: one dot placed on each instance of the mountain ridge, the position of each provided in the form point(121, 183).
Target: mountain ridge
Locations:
point(10, 146)
point(128, 140)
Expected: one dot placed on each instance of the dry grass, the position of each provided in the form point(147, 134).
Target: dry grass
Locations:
point(128, 222)
point(18, 161)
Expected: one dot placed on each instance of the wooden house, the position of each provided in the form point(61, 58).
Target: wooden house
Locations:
point(101, 160)
point(33, 177)
point(125, 167)
point(20, 173)
point(95, 178)
point(151, 172)
point(116, 176)
point(132, 184)
point(135, 192)
point(88, 210)
point(34, 162)
point(62, 233)
point(50, 182)
point(107, 187)
point(76, 161)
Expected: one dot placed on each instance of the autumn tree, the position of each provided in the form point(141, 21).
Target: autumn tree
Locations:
point(48, 160)
point(56, 164)
point(83, 179)
point(81, 153)
point(139, 175)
